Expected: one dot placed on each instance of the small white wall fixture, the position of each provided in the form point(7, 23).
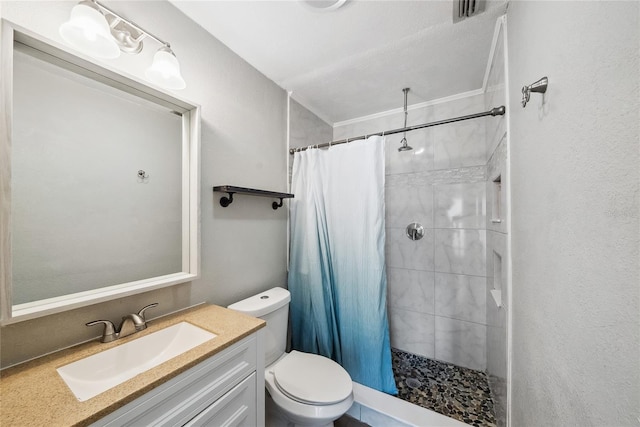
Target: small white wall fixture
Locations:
point(12, 35)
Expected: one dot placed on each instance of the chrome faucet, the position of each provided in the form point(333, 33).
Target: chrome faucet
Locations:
point(131, 323)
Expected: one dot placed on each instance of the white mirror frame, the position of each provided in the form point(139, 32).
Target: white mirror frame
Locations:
point(84, 65)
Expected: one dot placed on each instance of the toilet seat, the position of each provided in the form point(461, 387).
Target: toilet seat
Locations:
point(312, 379)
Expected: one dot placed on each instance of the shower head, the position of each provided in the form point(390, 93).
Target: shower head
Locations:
point(405, 146)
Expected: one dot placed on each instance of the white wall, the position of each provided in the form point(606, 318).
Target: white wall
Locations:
point(575, 166)
point(243, 143)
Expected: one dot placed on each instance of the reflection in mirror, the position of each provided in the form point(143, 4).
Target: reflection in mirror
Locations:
point(103, 200)
point(82, 217)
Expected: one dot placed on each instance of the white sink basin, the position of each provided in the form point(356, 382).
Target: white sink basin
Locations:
point(95, 374)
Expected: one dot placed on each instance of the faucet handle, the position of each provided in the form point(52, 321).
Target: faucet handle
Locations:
point(143, 309)
point(109, 332)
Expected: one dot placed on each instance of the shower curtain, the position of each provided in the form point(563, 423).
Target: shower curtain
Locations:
point(337, 273)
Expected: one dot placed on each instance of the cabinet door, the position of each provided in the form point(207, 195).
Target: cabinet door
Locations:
point(236, 408)
point(180, 399)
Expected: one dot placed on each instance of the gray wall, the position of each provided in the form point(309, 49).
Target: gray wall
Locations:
point(575, 232)
point(305, 129)
point(243, 143)
point(436, 285)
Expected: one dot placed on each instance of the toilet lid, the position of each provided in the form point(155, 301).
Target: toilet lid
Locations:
point(312, 379)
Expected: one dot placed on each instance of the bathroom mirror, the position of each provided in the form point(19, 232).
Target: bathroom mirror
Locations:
point(99, 182)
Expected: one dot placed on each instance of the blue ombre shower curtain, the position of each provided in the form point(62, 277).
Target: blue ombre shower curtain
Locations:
point(337, 273)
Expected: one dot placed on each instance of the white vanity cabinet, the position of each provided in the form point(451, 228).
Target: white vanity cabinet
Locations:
point(224, 390)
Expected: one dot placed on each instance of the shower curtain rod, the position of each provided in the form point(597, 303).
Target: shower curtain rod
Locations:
point(497, 111)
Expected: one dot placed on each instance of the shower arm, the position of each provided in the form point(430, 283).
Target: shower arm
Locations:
point(406, 91)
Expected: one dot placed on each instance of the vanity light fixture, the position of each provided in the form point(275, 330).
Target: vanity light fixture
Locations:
point(99, 32)
point(165, 70)
point(88, 31)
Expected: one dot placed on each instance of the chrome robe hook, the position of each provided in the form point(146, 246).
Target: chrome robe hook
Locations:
point(539, 87)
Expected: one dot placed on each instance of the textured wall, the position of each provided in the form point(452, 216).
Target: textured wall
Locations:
point(575, 210)
point(243, 143)
point(436, 285)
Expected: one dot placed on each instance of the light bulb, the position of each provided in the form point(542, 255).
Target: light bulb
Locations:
point(165, 70)
point(87, 30)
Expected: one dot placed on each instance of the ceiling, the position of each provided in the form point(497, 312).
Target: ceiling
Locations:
point(354, 61)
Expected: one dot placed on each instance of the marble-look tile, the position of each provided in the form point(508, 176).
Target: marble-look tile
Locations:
point(496, 316)
point(461, 297)
point(495, 95)
point(497, 257)
point(497, 351)
point(498, 388)
point(459, 145)
point(497, 370)
point(497, 128)
point(461, 343)
point(412, 332)
point(365, 127)
point(402, 252)
point(460, 205)
point(378, 419)
point(419, 159)
point(411, 289)
point(405, 204)
point(438, 177)
point(455, 108)
point(460, 251)
point(497, 208)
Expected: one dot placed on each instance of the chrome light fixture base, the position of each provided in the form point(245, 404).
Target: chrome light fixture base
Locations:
point(128, 37)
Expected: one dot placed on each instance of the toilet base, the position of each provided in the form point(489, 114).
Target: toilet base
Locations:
point(275, 417)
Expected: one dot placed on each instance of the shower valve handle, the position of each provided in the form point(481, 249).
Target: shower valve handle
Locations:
point(415, 231)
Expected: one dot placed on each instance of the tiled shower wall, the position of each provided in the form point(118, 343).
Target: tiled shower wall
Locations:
point(436, 285)
point(497, 234)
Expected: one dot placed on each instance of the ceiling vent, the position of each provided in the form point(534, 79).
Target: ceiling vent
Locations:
point(466, 9)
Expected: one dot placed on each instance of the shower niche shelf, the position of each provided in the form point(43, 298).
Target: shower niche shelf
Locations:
point(231, 190)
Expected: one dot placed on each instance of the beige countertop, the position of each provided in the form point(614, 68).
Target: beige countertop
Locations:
point(33, 394)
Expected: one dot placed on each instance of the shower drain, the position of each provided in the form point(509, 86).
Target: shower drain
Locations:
point(412, 383)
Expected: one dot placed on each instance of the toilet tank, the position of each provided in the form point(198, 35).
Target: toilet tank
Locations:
point(273, 307)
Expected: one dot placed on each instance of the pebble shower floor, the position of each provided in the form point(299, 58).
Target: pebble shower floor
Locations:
point(451, 390)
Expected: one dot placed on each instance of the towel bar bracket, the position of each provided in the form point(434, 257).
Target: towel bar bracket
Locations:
point(226, 201)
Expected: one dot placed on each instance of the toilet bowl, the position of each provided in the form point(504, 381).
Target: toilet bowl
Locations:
point(303, 389)
point(310, 390)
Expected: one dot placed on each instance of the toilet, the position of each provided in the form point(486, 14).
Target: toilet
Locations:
point(303, 389)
